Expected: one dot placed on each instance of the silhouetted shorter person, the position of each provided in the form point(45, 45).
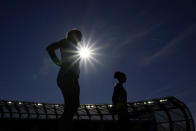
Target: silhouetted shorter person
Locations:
point(119, 98)
point(68, 75)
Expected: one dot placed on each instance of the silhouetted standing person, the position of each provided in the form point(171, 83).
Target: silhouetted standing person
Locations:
point(68, 75)
point(119, 98)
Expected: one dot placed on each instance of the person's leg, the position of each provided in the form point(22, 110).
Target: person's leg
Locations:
point(69, 111)
point(70, 92)
point(123, 118)
point(66, 119)
point(64, 84)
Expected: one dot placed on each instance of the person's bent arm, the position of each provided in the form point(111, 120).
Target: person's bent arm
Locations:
point(51, 51)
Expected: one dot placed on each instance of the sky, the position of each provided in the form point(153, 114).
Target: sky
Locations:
point(152, 42)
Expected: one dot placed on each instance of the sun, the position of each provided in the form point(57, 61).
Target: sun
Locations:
point(87, 54)
point(84, 52)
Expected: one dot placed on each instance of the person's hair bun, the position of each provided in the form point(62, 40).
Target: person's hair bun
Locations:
point(117, 74)
point(120, 75)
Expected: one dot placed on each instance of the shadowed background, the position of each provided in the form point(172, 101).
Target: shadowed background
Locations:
point(153, 42)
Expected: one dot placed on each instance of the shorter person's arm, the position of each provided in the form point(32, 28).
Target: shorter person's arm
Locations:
point(124, 96)
point(115, 96)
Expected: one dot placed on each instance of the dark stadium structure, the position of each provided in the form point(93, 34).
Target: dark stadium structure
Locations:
point(163, 114)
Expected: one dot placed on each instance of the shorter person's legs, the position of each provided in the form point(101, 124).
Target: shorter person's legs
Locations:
point(123, 118)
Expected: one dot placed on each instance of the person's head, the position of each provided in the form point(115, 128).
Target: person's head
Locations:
point(120, 76)
point(74, 35)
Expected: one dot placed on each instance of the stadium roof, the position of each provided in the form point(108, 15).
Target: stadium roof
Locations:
point(166, 113)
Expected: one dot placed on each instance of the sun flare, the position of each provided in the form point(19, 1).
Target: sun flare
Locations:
point(88, 54)
point(84, 52)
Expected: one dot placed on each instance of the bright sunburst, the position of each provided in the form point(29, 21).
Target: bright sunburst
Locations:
point(87, 53)
point(84, 52)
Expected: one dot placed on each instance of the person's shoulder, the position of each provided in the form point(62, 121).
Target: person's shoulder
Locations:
point(63, 41)
point(118, 85)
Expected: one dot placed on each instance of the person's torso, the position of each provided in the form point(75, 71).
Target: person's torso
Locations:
point(69, 57)
point(120, 95)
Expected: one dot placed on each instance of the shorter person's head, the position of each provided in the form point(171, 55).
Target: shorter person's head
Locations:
point(74, 35)
point(120, 76)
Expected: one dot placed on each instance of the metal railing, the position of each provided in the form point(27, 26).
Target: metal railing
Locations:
point(168, 113)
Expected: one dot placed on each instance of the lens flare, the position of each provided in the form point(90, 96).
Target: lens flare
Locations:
point(84, 52)
point(88, 54)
